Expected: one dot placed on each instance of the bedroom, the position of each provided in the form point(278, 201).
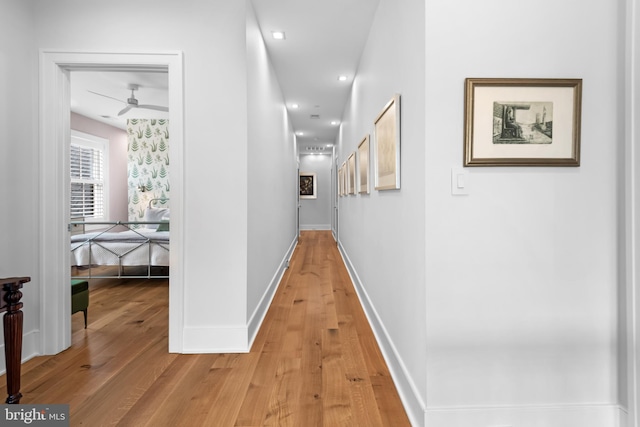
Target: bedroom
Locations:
point(120, 173)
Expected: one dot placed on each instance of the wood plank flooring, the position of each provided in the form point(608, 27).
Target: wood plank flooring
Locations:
point(314, 362)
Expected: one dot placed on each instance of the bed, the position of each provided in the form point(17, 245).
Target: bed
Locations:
point(123, 249)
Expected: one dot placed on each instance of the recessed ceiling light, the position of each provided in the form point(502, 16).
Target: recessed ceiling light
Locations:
point(300, 133)
point(278, 35)
point(342, 78)
point(295, 106)
point(335, 122)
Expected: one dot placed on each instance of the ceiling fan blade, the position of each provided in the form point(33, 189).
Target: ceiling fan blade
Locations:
point(125, 109)
point(154, 107)
point(107, 96)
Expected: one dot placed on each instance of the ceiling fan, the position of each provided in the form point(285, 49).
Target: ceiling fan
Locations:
point(132, 102)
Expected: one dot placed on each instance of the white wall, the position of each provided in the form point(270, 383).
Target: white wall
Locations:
point(215, 149)
point(19, 160)
point(271, 177)
point(315, 214)
point(117, 162)
point(519, 291)
point(213, 39)
point(522, 273)
point(382, 235)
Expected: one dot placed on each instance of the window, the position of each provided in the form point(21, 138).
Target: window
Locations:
point(88, 157)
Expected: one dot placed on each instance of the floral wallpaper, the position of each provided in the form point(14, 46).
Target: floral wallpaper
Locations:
point(148, 165)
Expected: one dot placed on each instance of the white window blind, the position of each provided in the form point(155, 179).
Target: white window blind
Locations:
point(87, 166)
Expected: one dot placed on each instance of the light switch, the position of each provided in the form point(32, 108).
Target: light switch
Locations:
point(459, 182)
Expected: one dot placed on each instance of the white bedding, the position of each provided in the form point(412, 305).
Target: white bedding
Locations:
point(126, 248)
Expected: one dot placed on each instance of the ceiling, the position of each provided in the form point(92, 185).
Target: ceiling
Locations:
point(323, 40)
point(113, 87)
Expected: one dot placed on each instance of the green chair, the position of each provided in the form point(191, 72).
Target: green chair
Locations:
point(80, 298)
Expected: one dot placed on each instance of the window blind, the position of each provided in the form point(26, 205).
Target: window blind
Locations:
point(87, 181)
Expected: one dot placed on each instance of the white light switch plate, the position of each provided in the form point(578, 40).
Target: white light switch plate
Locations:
point(459, 182)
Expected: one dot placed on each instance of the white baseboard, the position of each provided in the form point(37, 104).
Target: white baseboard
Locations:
point(587, 415)
point(315, 226)
point(411, 400)
point(229, 339)
point(263, 306)
point(30, 349)
point(236, 339)
point(594, 415)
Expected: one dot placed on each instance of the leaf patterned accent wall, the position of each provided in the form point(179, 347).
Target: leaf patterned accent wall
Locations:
point(148, 165)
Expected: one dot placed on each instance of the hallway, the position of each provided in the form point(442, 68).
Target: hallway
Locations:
point(315, 361)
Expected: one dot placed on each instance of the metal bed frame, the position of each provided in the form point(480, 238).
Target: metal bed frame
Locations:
point(145, 241)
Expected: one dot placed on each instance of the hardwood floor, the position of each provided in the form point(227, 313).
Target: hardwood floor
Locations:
point(315, 361)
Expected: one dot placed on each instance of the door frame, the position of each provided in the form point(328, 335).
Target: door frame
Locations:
point(53, 217)
point(631, 225)
point(335, 214)
point(298, 205)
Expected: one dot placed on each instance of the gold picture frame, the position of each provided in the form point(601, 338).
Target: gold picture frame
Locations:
point(387, 146)
point(363, 166)
point(351, 168)
point(343, 179)
point(522, 122)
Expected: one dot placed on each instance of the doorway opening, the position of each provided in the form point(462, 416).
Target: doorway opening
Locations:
point(55, 69)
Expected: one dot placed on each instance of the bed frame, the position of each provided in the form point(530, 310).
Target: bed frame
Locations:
point(104, 255)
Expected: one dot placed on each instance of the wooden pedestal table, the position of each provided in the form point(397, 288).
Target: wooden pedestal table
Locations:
point(10, 296)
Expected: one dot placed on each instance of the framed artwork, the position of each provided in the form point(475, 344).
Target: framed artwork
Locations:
point(363, 166)
point(522, 122)
point(387, 146)
point(343, 179)
point(308, 185)
point(351, 167)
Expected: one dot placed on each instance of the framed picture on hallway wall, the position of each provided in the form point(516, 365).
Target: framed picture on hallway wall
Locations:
point(308, 185)
point(342, 179)
point(363, 166)
point(387, 146)
point(351, 167)
point(522, 122)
